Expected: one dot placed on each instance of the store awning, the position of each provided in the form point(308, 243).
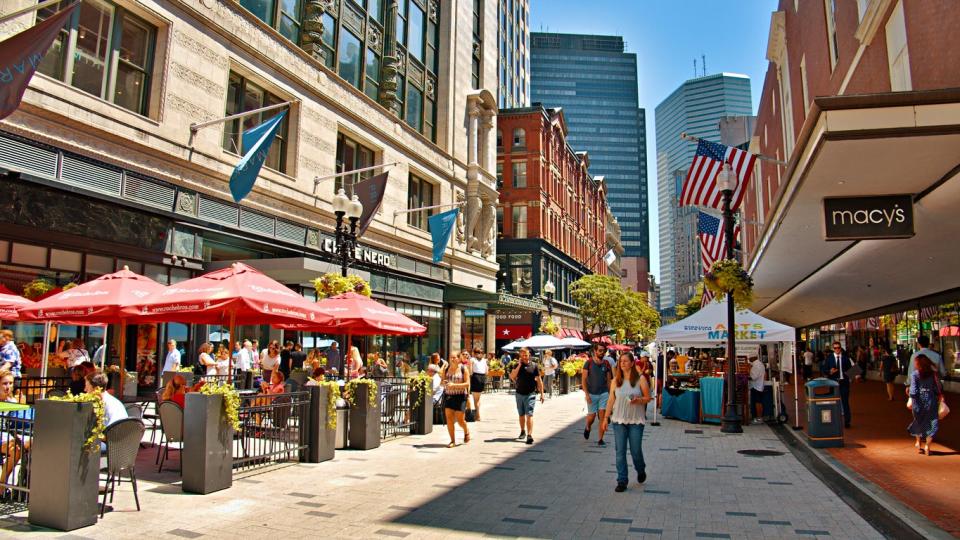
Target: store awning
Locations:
point(479, 298)
point(861, 146)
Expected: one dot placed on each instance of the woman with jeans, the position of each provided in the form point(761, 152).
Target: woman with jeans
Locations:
point(626, 410)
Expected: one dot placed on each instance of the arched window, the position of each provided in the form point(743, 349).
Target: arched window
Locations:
point(519, 137)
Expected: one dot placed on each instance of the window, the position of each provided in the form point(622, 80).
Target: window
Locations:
point(499, 175)
point(519, 138)
point(419, 195)
point(418, 36)
point(351, 155)
point(105, 51)
point(354, 55)
point(477, 43)
point(830, 6)
point(520, 174)
point(244, 95)
point(499, 139)
point(898, 57)
point(519, 221)
point(284, 15)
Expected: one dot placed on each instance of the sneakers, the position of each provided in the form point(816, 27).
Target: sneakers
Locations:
point(522, 434)
point(601, 444)
point(756, 421)
point(641, 477)
point(620, 488)
point(586, 434)
point(529, 440)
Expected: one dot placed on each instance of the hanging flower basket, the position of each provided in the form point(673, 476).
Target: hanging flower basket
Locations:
point(37, 288)
point(332, 284)
point(727, 275)
point(549, 326)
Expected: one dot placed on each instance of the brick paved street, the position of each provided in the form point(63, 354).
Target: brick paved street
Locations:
point(562, 487)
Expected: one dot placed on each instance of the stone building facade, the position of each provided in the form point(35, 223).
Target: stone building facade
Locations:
point(105, 127)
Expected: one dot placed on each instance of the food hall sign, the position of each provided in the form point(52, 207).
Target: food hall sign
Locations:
point(867, 218)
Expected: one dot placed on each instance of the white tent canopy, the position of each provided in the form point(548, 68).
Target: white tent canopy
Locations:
point(708, 327)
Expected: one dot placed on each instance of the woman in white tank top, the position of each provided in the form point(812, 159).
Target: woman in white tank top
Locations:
point(626, 411)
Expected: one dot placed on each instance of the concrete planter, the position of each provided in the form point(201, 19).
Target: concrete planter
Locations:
point(322, 440)
point(422, 413)
point(364, 420)
point(207, 457)
point(64, 474)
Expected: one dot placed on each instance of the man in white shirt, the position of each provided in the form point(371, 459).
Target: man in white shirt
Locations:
point(924, 343)
point(549, 370)
point(808, 364)
point(113, 409)
point(758, 374)
point(245, 357)
point(172, 361)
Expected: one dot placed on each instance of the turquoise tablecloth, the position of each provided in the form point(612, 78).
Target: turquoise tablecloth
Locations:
point(711, 399)
point(685, 406)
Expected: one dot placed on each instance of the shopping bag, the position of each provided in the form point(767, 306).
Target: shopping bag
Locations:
point(943, 411)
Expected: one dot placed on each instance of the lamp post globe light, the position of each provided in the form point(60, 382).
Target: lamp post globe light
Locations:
point(346, 236)
point(730, 423)
point(549, 289)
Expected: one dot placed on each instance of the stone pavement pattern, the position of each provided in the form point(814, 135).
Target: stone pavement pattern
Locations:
point(879, 448)
point(698, 486)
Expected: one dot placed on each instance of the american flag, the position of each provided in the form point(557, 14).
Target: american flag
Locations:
point(929, 312)
point(713, 241)
point(700, 188)
point(706, 298)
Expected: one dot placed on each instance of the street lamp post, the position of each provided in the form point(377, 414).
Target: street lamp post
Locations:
point(549, 289)
point(346, 236)
point(727, 182)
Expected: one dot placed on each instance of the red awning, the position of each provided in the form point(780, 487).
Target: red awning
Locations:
point(238, 292)
point(99, 301)
point(10, 303)
point(359, 315)
point(514, 331)
point(950, 331)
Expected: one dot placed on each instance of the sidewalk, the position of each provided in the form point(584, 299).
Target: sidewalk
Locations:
point(698, 486)
point(879, 448)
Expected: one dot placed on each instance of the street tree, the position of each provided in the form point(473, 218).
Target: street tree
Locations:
point(607, 307)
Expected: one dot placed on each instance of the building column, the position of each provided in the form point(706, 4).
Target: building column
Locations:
point(491, 334)
point(488, 157)
point(455, 327)
point(473, 142)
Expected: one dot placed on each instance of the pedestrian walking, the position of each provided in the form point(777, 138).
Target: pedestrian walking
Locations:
point(888, 370)
point(808, 357)
point(835, 367)
point(456, 386)
point(626, 411)
point(923, 342)
point(550, 365)
point(758, 373)
point(527, 380)
point(596, 376)
point(926, 393)
point(478, 379)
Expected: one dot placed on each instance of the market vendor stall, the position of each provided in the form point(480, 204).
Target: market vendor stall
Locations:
point(707, 329)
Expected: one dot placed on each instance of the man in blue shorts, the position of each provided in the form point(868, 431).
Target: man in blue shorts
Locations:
point(596, 387)
point(526, 377)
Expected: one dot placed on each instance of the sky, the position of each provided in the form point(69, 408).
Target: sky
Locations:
point(667, 35)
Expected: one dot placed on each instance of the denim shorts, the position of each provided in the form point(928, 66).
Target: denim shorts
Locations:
point(598, 402)
point(525, 404)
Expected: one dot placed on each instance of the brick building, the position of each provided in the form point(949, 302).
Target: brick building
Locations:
point(552, 214)
point(860, 99)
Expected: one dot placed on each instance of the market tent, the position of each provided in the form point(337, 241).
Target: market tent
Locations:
point(573, 342)
point(708, 328)
point(542, 341)
point(10, 303)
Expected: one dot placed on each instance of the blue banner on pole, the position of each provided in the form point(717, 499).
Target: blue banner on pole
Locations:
point(441, 225)
point(257, 141)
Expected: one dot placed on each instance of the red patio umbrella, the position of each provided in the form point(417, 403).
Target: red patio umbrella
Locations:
point(239, 293)
point(4, 290)
point(99, 301)
point(10, 303)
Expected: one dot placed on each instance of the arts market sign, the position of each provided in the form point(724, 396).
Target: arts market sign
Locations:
point(744, 331)
point(868, 218)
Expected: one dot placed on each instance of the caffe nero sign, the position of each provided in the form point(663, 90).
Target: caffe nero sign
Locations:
point(867, 218)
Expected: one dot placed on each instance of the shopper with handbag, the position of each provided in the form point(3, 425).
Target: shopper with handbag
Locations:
point(926, 402)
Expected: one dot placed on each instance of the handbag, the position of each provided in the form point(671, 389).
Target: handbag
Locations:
point(942, 410)
point(910, 403)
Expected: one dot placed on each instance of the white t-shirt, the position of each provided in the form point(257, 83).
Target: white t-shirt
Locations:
point(244, 360)
point(550, 366)
point(478, 366)
point(808, 358)
point(209, 363)
point(757, 375)
point(268, 362)
point(113, 409)
point(437, 387)
point(172, 361)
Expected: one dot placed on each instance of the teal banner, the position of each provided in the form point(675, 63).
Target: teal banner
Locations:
point(256, 142)
point(441, 225)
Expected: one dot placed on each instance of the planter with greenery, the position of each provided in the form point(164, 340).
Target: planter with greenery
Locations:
point(322, 436)
point(65, 454)
point(421, 403)
point(210, 418)
point(364, 429)
point(332, 284)
point(727, 276)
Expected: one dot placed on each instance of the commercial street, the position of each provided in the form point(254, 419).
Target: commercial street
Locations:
point(698, 486)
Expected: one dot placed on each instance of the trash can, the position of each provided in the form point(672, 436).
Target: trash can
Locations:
point(824, 414)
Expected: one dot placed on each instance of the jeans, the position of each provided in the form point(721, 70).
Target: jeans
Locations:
point(632, 433)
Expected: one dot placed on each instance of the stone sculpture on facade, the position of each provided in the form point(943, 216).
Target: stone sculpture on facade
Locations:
point(311, 38)
point(488, 228)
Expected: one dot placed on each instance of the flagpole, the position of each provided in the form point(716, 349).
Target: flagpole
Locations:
point(761, 157)
point(28, 9)
point(408, 210)
point(318, 179)
point(195, 127)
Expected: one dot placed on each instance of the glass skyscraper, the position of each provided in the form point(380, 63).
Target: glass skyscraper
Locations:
point(595, 82)
point(513, 88)
point(695, 108)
